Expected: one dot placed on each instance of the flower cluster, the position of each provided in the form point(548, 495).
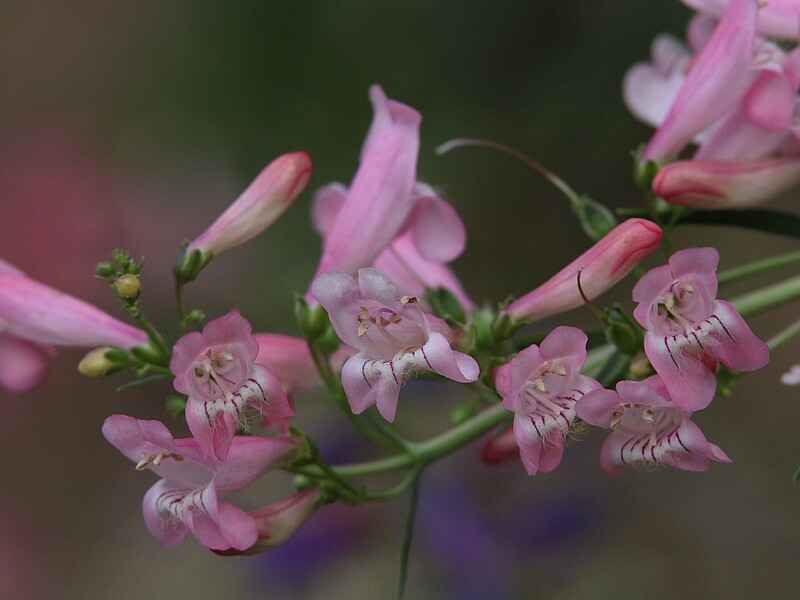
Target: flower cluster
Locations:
point(385, 307)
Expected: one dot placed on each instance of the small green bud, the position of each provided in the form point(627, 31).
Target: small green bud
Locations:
point(302, 482)
point(194, 319)
point(105, 270)
point(313, 322)
point(482, 326)
point(128, 287)
point(117, 356)
point(96, 363)
point(175, 405)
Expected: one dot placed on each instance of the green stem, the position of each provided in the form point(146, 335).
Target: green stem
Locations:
point(179, 304)
point(409, 534)
point(766, 264)
point(755, 303)
point(784, 336)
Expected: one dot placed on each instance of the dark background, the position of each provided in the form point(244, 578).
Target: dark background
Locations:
point(136, 123)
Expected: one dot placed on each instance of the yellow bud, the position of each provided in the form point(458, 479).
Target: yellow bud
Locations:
point(128, 287)
point(95, 364)
point(640, 367)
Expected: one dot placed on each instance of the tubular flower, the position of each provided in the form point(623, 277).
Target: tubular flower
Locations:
point(187, 498)
point(35, 317)
point(380, 198)
point(394, 338)
point(227, 388)
point(279, 521)
point(416, 259)
point(259, 206)
point(600, 268)
point(648, 428)
point(776, 18)
point(714, 84)
point(689, 331)
point(541, 386)
point(715, 185)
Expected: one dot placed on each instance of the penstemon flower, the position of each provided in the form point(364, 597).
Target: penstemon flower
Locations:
point(648, 428)
point(690, 331)
point(227, 388)
point(776, 18)
point(716, 81)
point(600, 268)
point(416, 259)
point(393, 335)
point(187, 498)
point(541, 386)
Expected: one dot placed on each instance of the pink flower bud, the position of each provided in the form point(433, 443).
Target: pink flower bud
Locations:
point(501, 448)
point(716, 185)
point(259, 206)
point(279, 521)
point(601, 267)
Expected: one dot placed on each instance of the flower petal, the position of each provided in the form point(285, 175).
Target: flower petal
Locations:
point(249, 457)
point(23, 364)
point(739, 348)
point(326, 205)
point(288, 358)
point(596, 407)
point(170, 532)
point(529, 441)
point(436, 228)
point(442, 359)
point(567, 344)
point(690, 382)
point(237, 527)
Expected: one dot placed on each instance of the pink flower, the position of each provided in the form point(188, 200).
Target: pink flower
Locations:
point(601, 267)
point(393, 336)
point(716, 81)
point(227, 388)
point(541, 386)
point(380, 198)
point(279, 521)
point(416, 259)
point(259, 206)
point(776, 18)
point(689, 331)
point(717, 185)
point(187, 498)
point(648, 428)
point(35, 317)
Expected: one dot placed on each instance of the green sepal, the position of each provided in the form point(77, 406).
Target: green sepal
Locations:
point(445, 305)
point(175, 405)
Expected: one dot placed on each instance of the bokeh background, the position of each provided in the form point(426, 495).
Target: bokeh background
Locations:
point(134, 124)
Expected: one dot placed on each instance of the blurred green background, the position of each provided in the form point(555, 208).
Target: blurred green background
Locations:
point(136, 123)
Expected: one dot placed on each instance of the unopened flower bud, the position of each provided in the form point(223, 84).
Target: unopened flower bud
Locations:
point(597, 270)
point(500, 449)
point(259, 206)
point(128, 287)
point(104, 270)
point(724, 185)
point(96, 363)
